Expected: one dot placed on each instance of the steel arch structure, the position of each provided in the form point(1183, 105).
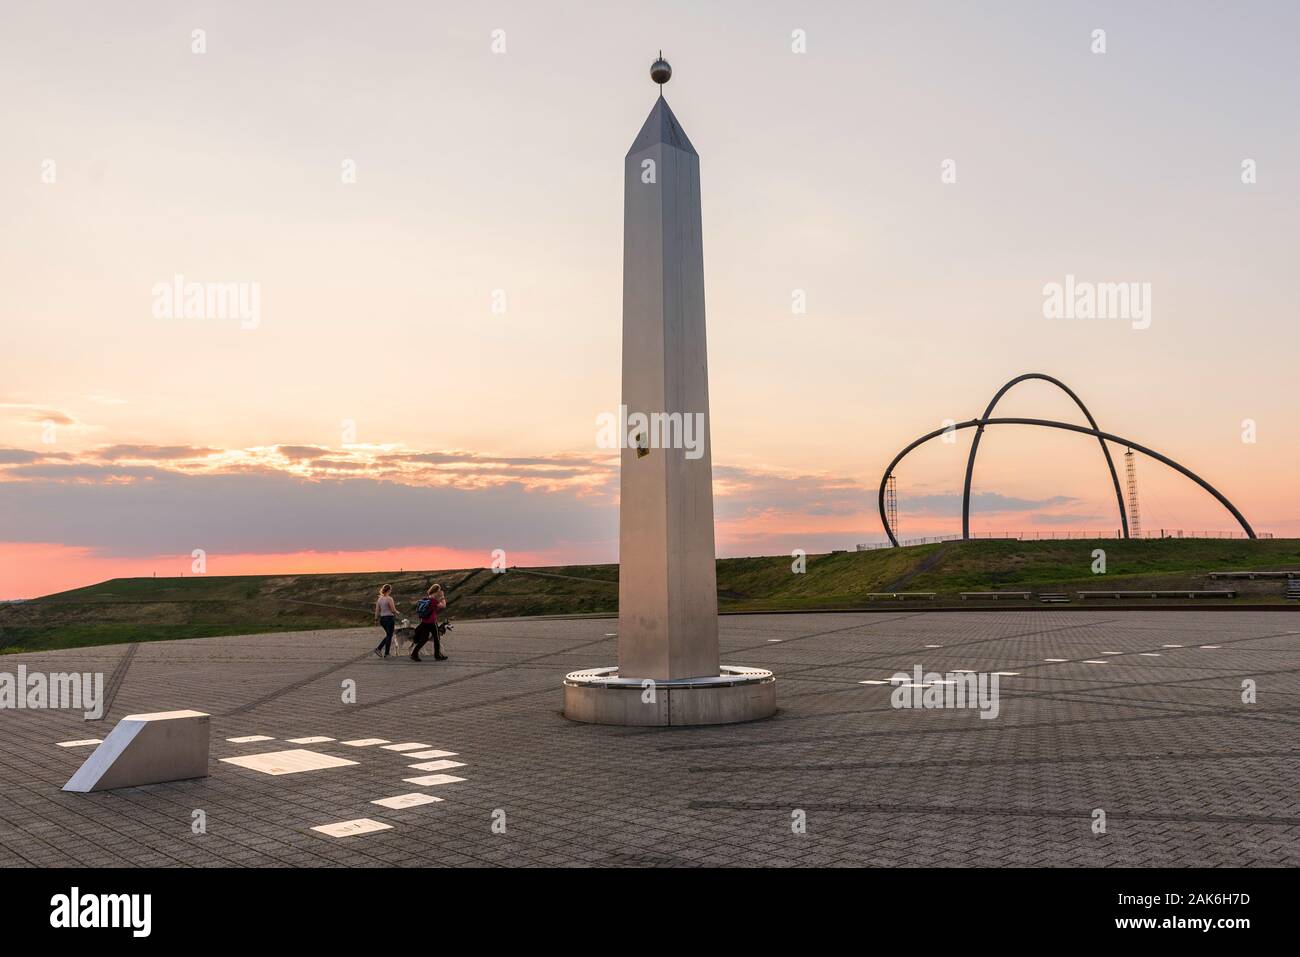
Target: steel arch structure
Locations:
point(979, 433)
point(1069, 427)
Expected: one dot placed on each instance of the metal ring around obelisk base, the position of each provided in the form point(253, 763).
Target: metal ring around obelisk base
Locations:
point(735, 694)
point(1069, 427)
point(979, 433)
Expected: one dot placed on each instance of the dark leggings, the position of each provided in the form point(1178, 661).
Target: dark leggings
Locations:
point(423, 632)
point(387, 644)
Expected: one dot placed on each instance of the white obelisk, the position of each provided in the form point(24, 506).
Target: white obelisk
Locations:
point(668, 669)
point(667, 593)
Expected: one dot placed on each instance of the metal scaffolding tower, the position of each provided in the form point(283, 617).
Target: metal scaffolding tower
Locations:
point(891, 502)
point(1134, 516)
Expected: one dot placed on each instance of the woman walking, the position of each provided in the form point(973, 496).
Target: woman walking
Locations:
point(386, 615)
point(428, 609)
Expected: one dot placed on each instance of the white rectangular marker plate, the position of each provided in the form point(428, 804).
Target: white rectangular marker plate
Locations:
point(1149, 654)
point(1211, 646)
point(1056, 659)
point(365, 742)
point(873, 682)
point(406, 800)
point(409, 746)
point(1007, 674)
point(1171, 646)
point(288, 762)
point(429, 780)
point(318, 739)
point(250, 738)
point(425, 755)
point(1095, 661)
point(436, 765)
point(348, 828)
point(83, 743)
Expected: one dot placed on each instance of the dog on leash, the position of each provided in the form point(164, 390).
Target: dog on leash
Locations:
point(402, 636)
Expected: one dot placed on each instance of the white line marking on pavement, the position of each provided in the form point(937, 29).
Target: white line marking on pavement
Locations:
point(429, 780)
point(316, 739)
point(407, 800)
point(250, 738)
point(436, 765)
point(349, 828)
point(365, 742)
point(83, 743)
point(409, 746)
point(288, 762)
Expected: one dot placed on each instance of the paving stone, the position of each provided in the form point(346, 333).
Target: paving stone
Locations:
point(1186, 773)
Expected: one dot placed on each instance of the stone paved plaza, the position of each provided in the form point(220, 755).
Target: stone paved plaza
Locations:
point(1157, 736)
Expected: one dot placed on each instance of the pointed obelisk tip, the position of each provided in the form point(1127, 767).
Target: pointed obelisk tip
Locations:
point(661, 72)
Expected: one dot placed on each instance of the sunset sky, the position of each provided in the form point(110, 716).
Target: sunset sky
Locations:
point(383, 414)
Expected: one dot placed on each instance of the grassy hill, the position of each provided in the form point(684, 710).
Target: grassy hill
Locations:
point(148, 609)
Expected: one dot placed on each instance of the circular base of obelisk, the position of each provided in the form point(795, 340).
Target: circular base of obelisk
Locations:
point(602, 696)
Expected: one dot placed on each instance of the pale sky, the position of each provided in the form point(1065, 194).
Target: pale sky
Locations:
point(127, 440)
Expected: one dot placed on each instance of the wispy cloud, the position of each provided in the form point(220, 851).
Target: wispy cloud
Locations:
point(300, 452)
point(946, 503)
point(18, 456)
point(40, 414)
point(138, 500)
point(1066, 519)
point(118, 453)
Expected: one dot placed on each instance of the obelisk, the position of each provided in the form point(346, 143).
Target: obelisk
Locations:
point(667, 593)
point(668, 669)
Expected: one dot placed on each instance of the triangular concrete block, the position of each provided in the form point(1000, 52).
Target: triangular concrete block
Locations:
point(147, 749)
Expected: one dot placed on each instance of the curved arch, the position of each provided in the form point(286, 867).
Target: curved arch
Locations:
point(979, 432)
point(1069, 427)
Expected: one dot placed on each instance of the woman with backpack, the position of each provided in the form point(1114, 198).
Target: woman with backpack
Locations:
point(386, 615)
point(427, 608)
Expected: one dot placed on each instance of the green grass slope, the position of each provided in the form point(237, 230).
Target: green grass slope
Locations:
point(150, 609)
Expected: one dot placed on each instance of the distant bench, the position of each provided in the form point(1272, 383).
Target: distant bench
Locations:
point(1191, 593)
point(995, 595)
point(1253, 575)
point(900, 595)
